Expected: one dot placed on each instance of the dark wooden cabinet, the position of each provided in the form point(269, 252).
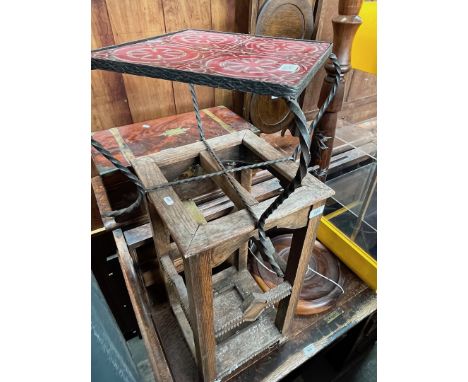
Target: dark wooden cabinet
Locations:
point(106, 269)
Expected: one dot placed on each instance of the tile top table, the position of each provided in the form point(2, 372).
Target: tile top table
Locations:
point(263, 65)
point(143, 138)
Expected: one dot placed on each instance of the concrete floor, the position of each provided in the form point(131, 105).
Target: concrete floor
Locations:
point(318, 369)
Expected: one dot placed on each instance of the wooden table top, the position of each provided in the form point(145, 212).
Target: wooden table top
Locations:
point(264, 65)
point(139, 139)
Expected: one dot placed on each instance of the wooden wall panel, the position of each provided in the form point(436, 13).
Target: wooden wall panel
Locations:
point(226, 22)
point(182, 15)
point(229, 16)
point(148, 98)
point(362, 85)
point(109, 105)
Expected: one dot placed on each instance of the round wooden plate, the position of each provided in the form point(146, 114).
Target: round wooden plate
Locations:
point(279, 18)
point(317, 294)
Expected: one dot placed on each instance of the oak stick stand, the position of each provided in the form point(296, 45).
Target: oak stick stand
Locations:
point(226, 319)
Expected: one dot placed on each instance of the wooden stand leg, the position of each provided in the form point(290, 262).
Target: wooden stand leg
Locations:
point(242, 256)
point(246, 179)
point(161, 236)
point(246, 182)
point(140, 304)
point(299, 256)
point(200, 293)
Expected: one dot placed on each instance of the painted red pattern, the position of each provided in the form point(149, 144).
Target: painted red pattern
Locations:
point(256, 67)
point(155, 53)
point(282, 47)
point(270, 60)
point(206, 40)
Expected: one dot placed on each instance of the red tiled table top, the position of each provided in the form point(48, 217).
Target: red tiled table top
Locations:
point(263, 65)
point(149, 137)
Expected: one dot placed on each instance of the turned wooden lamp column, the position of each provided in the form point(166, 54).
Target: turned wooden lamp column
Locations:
point(345, 26)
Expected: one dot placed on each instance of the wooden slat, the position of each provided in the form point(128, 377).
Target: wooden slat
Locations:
point(137, 236)
point(102, 202)
point(237, 227)
point(148, 98)
point(200, 293)
point(283, 170)
point(242, 256)
point(223, 19)
point(180, 15)
point(160, 232)
point(261, 148)
point(190, 151)
point(176, 280)
point(246, 179)
point(298, 261)
point(179, 222)
point(141, 305)
point(109, 105)
point(238, 197)
point(171, 161)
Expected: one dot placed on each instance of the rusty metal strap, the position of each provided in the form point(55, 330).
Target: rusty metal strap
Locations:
point(304, 134)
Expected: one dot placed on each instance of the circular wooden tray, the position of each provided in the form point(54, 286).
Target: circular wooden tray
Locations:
point(317, 294)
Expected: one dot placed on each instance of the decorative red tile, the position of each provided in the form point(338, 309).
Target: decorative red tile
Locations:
point(234, 61)
point(155, 54)
point(270, 46)
point(207, 40)
point(257, 67)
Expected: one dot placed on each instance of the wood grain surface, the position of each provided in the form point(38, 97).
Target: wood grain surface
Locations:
point(141, 304)
point(109, 106)
point(148, 98)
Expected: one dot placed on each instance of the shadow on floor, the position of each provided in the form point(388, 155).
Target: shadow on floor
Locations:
point(319, 369)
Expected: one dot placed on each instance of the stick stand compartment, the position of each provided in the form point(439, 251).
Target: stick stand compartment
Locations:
point(226, 319)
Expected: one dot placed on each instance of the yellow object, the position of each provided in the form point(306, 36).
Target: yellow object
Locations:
point(358, 260)
point(364, 52)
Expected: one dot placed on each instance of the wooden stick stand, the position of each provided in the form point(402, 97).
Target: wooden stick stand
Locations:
point(226, 319)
